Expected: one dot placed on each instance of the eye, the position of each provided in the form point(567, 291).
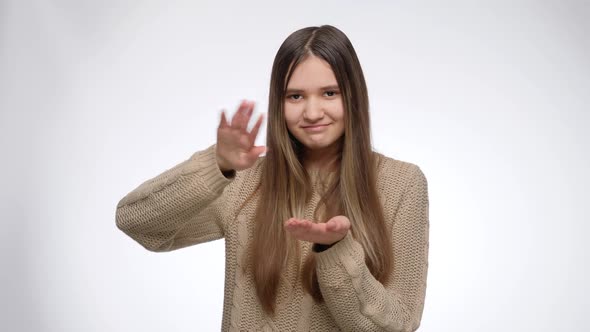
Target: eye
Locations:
point(294, 97)
point(330, 93)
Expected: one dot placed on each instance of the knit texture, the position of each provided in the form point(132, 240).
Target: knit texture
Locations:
point(193, 202)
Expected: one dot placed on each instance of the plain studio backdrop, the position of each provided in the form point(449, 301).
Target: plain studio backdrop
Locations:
point(489, 98)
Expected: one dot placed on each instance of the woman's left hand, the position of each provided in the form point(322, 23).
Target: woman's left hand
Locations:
point(329, 232)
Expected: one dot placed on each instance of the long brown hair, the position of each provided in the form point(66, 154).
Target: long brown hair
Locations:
point(285, 185)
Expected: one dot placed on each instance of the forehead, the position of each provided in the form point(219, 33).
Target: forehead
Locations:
point(312, 73)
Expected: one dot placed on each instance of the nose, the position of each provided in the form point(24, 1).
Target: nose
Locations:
point(313, 111)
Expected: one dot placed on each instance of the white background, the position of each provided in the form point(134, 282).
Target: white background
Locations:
point(490, 99)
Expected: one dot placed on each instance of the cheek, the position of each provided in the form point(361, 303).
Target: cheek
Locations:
point(291, 114)
point(337, 110)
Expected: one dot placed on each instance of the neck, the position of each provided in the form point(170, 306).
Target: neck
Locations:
point(324, 159)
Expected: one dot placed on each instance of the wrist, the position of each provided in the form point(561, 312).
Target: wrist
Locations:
point(319, 247)
point(221, 163)
point(226, 171)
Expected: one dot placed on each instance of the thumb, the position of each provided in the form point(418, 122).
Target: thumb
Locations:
point(258, 150)
point(330, 225)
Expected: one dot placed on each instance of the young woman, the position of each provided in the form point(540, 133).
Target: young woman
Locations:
point(322, 233)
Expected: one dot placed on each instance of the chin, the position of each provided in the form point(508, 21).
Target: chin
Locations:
point(316, 146)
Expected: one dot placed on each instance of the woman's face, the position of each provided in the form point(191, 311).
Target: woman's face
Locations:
point(313, 105)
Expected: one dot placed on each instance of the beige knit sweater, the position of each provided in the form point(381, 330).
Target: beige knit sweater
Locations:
point(193, 203)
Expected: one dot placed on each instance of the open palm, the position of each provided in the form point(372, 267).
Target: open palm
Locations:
point(235, 145)
point(329, 232)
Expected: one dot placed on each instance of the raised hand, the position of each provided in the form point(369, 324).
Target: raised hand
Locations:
point(329, 232)
point(235, 145)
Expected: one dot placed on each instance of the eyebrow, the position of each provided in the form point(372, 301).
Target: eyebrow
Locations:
point(328, 87)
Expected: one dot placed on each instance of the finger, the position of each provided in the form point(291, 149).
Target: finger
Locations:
point(330, 225)
point(299, 222)
point(290, 222)
point(294, 228)
point(239, 120)
point(299, 225)
point(245, 115)
point(251, 105)
point(337, 228)
point(256, 151)
point(256, 127)
point(248, 114)
point(223, 123)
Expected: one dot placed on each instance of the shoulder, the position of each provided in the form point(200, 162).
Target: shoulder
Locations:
point(395, 177)
point(391, 169)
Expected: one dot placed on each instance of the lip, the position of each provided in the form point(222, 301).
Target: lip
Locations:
point(315, 128)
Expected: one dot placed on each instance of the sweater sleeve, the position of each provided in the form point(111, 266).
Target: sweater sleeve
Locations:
point(183, 206)
point(355, 299)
